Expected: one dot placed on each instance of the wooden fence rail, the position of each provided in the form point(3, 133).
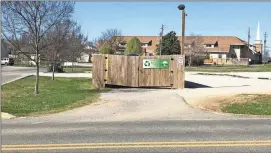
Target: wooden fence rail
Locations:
point(138, 71)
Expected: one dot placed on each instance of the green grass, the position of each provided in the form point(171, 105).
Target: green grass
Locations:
point(251, 68)
point(55, 96)
point(249, 104)
point(77, 70)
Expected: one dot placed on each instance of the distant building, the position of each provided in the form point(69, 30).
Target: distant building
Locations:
point(215, 46)
point(85, 57)
point(5, 48)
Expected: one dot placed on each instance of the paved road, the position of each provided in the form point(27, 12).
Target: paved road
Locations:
point(10, 73)
point(246, 135)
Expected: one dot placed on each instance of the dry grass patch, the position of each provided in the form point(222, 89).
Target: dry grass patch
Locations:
point(254, 104)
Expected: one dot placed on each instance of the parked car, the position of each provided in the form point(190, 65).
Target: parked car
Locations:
point(7, 61)
point(58, 67)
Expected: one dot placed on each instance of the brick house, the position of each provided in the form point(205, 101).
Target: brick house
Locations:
point(217, 47)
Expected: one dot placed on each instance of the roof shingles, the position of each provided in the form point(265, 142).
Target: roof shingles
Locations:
point(224, 42)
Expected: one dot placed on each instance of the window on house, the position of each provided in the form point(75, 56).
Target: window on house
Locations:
point(208, 45)
point(150, 43)
point(219, 55)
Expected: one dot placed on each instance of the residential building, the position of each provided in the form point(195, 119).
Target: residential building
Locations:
point(85, 57)
point(214, 46)
point(5, 49)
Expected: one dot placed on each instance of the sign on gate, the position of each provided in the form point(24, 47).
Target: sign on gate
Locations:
point(180, 60)
point(156, 63)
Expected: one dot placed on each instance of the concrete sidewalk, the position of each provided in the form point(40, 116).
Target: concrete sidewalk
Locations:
point(251, 75)
point(208, 86)
point(68, 75)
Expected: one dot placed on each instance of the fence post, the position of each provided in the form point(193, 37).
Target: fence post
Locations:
point(106, 67)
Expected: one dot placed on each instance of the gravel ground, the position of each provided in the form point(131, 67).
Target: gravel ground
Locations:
point(136, 104)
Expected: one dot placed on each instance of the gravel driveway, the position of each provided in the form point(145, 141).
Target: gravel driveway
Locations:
point(136, 104)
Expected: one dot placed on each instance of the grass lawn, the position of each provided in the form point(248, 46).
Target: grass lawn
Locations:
point(55, 96)
point(251, 68)
point(77, 70)
point(248, 104)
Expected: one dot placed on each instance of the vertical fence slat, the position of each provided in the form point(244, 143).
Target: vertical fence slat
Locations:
point(98, 71)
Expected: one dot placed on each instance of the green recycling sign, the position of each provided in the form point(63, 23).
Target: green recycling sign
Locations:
point(156, 63)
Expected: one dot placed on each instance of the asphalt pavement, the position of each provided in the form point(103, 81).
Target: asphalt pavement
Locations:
point(10, 73)
point(223, 136)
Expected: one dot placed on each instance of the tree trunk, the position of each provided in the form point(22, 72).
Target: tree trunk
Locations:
point(53, 74)
point(72, 66)
point(37, 75)
point(190, 60)
point(89, 58)
point(72, 59)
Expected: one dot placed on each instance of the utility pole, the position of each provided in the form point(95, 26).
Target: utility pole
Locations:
point(248, 39)
point(182, 8)
point(265, 47)
point(161, 35)
point(183, 31)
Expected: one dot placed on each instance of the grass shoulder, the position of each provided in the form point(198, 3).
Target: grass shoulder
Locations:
point(255, 104)
point(55, 96)
point(251, 104)
point(250, 68)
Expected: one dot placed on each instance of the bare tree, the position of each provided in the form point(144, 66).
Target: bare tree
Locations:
point(34, 19)
point(57, 38)
point(111, 39)
point(196, 50)
point(77, 44)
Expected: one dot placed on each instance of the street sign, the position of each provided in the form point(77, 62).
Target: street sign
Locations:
point(156, 63)
point(180, 60)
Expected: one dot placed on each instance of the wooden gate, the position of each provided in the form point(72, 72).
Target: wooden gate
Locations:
point(129, 71)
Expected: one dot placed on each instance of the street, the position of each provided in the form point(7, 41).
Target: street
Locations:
point(240, 135)
point(10, 73)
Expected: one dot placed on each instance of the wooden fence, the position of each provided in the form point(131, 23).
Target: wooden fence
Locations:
point(130, 71)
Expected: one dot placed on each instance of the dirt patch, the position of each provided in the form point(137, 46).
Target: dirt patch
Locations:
point(215, 103)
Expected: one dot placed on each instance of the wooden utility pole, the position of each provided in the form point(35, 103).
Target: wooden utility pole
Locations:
point(161, 35)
